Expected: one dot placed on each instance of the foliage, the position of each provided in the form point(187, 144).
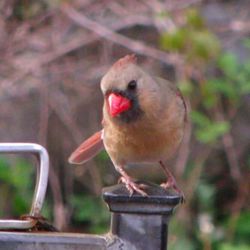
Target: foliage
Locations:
point(192, 39)
point(15, 181)
point(90, 211)
point(31, 8)
point(215, 91)
point(17, 186)
point(226, 246)
point(208, 131)
point(196, 42)
point(240, 226)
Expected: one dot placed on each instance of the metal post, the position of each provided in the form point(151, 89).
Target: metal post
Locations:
point(139, 223)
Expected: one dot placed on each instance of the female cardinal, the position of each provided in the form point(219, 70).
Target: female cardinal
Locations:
point(143, 121)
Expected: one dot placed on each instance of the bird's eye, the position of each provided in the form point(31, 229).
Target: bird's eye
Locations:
point(132, 85)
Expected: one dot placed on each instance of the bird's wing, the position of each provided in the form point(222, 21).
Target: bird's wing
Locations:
point(170, 86)
point(88, 149)
point(179, 94)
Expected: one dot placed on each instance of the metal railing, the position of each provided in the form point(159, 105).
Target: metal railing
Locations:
point(137, 222)
point(41, 185)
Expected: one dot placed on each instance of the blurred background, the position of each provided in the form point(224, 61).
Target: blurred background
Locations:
point(52, 57)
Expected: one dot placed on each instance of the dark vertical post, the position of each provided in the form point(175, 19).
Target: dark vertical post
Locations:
point(139, 223)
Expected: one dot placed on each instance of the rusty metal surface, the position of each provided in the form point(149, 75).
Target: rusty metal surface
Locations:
point(50, 241)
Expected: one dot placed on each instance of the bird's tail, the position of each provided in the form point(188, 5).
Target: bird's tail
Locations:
point(88, 149)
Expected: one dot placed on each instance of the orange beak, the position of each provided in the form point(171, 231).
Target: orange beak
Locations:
point(118, 104)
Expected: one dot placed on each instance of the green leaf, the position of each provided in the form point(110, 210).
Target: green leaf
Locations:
point(228, 64)
point(228, 246)
point(208, 131)
point(5, 171)
point(185, 87)
point(182, 243)
point(224, 87)
point(246, 67)
point(194, 19)
point(209, 99)
point(212, 132)
point(17, 183)
point(206, 194)
point(21, 203)
point(243, 77)
point(204, 45)
point(242, 227)
point(246, 43)
point(102, 156)
point(174, 41)
point(20, 173)
point(90, 210)
point(199, 118)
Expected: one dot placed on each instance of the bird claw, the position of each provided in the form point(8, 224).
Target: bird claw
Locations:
point(172, 184)
point(132, 186)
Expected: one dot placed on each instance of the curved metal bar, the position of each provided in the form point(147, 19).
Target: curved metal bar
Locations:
point(16, 224)
point(41, 181)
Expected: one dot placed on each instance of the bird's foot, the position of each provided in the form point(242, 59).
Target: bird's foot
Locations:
point(132, 186)
point(171, 183)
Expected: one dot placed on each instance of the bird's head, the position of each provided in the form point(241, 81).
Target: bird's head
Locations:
point(123, 87)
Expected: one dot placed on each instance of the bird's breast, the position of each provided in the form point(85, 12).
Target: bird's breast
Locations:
point(143, 143)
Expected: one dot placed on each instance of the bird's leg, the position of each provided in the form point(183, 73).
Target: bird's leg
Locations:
point(129, 183)
point(171, 182)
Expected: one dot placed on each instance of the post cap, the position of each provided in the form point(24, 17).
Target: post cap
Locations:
point(159, 200)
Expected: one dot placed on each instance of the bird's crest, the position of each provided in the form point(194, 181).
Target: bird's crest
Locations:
point(125, 61)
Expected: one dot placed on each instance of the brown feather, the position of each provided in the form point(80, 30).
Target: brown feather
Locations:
point(151, 134)
point(88, 149)
point(125, 60)
point(157, 135)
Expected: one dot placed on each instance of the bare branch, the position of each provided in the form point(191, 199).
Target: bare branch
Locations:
point(228, 144)
point(136, 46)
point(62, 49)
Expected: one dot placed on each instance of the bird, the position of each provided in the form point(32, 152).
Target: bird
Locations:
point(144, 120)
